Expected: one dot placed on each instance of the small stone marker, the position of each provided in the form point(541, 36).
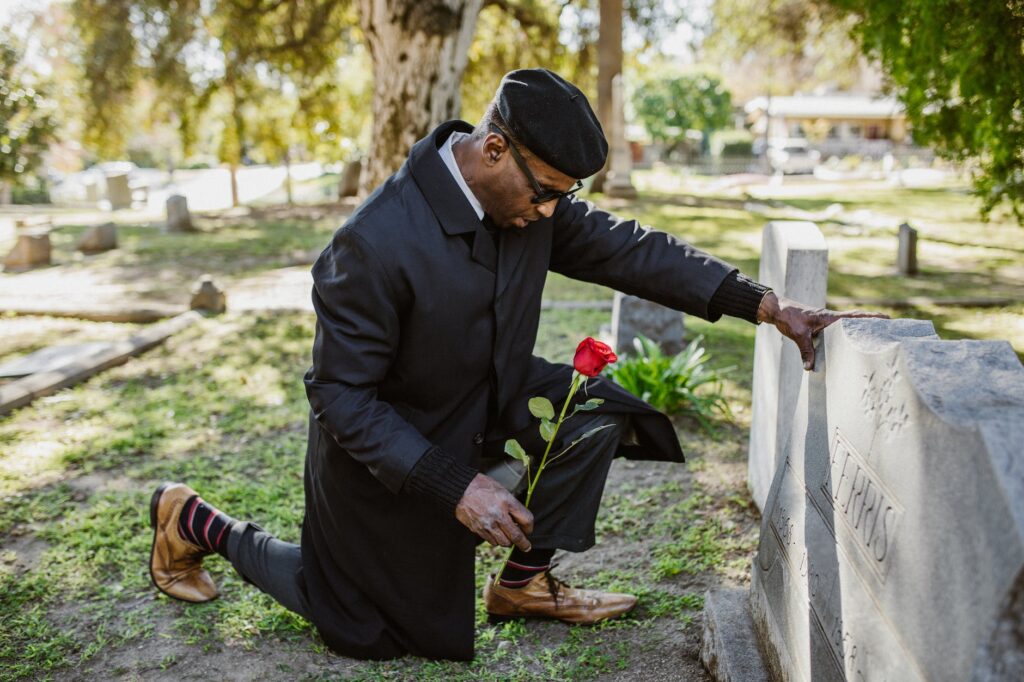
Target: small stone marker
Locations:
point(794, 263)
point(31, 250)
point(348, 186)
point(906, 256)
point(207, 296)
point(178, 217)
point(119, 194)
point(632, 316)
point(892, 543)
point(98, 238)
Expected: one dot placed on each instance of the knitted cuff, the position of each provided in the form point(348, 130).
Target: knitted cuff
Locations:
point(738, 296)
point(439, 478)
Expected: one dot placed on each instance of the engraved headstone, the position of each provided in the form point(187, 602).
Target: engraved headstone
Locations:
point(617, 183)
point(119, 194)
point(794, 263)
point(178, 217)
point(98, 238)
point(906, 255)
point(206, 295)
point(632, 316)
point(30, 251)
point(892, 541)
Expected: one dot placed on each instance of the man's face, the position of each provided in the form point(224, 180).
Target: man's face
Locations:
point(508, 199)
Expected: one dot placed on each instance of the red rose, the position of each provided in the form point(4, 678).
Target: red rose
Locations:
point(592, 356)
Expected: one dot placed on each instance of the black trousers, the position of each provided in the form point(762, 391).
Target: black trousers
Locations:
point(565, 503)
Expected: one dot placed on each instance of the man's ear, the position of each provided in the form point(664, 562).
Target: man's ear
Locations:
point(493, 147)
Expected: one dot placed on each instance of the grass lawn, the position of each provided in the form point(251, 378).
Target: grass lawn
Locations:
point(221, 406)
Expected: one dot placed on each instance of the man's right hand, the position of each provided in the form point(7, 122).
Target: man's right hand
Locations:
point(491, 512)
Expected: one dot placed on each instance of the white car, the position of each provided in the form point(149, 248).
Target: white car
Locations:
point(793, 156)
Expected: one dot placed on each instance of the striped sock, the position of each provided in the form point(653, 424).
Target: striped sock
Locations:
point(522, 566)
point(205, 526)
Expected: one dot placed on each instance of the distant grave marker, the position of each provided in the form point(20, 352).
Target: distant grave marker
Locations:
point(207, 296)
point(32, 250)
point(348, 185)
point(98, 238)
point(906, 255)
point(179, 219)
point(119, 194)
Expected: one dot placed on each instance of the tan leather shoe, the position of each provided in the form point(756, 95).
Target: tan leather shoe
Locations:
point(176, 565)
point(548, 597)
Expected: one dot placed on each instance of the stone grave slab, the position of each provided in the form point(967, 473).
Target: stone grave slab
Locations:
point(50, 358)
point(632, 316)
point(77, 368)
point(892, 540)
point(794, 263)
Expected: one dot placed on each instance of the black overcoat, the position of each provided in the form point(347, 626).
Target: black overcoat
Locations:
point(421, 326)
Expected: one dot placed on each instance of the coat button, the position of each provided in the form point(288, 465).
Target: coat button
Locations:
point(478, 439)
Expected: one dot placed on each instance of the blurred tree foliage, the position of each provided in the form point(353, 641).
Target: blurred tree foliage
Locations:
point(782, 46)
point(245, 71)
point(669, 105)
point(27, 119)
point(195, 51)
point(958, 66)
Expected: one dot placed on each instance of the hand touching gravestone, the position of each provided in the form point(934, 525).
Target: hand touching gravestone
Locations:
point(802, 323)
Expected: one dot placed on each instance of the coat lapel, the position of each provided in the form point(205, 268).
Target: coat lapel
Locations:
point(445, 197)
point(513, 244)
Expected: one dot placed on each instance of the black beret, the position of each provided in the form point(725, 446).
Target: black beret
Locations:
point(553, 118)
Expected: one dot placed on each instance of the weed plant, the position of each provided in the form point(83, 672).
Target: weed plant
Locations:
point(683, 384)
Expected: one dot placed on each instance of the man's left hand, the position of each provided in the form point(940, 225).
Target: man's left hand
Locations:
point(802, 323)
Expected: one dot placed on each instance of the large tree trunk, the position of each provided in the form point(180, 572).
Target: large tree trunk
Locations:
point(419, 50)
point(609, 65)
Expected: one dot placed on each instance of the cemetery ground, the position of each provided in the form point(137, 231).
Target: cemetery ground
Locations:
point(221, 406)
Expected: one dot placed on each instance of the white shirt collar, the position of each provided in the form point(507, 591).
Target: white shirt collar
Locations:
point(449, 160)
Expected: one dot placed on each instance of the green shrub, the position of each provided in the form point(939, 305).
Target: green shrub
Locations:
point(681, 384)
point(732, 143)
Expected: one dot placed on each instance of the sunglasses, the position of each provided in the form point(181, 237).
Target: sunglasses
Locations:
point(541, 195)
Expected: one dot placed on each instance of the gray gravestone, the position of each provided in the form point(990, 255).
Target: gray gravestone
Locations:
point(178, 217)
point(892, 541)
point(348, 186)
point(906, 255)
point(794, 263)
point(632, 316)
point(98, 238)
point(119, 194)
point(30, 251)
point(206, 295)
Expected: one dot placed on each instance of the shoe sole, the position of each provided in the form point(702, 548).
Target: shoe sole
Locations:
point(154, 502)
point(498, 620)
